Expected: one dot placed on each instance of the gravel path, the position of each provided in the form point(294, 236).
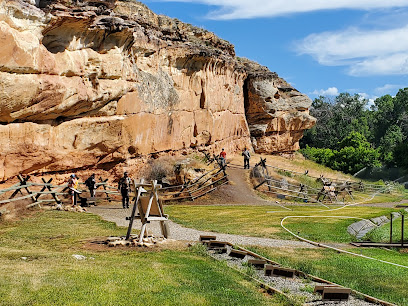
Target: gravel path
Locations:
point(114, 213)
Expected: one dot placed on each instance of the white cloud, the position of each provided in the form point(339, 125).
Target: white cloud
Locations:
point(242, 9)
point(391, 89)
point(331, 91)
point(372, 52)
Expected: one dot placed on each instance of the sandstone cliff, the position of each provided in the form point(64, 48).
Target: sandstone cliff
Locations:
point(105, 84)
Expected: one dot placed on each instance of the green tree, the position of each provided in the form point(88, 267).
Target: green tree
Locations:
point(336, 119)
point(391, 139)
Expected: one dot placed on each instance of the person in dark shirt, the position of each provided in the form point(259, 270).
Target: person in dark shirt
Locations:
point(124, 187)
point(90, 183)
point(246, 156)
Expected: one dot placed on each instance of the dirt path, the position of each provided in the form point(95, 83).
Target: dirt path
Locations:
point(238, 191)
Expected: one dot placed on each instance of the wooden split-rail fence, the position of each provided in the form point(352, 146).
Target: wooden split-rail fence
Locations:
point(198, 187)
point(330, 192)
point(46, 192)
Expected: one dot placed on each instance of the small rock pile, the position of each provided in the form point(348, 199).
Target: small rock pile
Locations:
point(76, 208)
point(149, 241)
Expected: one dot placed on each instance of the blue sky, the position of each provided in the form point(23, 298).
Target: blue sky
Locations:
point(321, 47)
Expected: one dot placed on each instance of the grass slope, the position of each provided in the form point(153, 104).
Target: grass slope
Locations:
point(370, 277)
point(51, 276)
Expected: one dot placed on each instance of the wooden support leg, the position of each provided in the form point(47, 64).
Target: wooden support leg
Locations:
point(164, 229)
point(132, 216)
point(142, 232)
point(42, 189)
point(24, 182)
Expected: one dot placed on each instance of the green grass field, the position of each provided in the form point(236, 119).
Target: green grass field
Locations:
point(264, 221)
point(50, 275)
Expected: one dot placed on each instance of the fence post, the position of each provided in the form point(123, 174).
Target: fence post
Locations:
point(391, 230)
point(402, 230)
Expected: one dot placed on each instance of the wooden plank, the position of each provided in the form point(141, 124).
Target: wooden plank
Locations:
point(148, 219)
point(237, 253)
point(216, 244)
point(207, 237)
point(257, 263)
point(206, 192)
point(378, 244)
point(285, 272)
point(335, 294)
point(319, 288)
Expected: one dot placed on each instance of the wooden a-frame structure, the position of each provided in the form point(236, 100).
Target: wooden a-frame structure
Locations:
point(147, 208)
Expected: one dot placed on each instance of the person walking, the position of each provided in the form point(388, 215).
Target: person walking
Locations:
point(90, 183)
point(246, 156)
point(124, 187)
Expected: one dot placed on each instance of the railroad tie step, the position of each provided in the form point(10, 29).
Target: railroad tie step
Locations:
point(319, 288)
point(274, 270)
point(204, 238)
point(257, 263)
point(335, 294)
point(216, 244)
point(237, 253)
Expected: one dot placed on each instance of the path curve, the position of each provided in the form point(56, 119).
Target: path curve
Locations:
point(114, 213)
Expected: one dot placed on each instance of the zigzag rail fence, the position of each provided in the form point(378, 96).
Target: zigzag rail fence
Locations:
point(331, 189)
point(365, 186)
point(191, 190)
point(52, 190)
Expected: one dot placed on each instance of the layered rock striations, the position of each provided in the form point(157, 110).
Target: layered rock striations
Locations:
point(104, 83)
point(277, 113)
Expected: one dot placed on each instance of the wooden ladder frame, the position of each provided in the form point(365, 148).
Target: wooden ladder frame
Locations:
point(138, 211)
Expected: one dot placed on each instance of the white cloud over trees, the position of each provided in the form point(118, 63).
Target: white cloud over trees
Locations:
point(331, 91)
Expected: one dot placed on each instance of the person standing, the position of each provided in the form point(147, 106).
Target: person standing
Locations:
point(124, 187)
point(246, 156)
point(91, 183)
point(223, 160)
point(73, 189)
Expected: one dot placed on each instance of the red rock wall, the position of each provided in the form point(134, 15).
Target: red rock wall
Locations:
point(105, 84)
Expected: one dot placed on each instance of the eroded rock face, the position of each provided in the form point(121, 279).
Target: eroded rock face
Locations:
point(277, 114)
point(103, 83)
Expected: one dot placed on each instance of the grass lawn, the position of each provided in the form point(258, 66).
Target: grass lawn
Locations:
point(256, 221)
point(51, 276)
point(382, 234)
point(380, 280)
